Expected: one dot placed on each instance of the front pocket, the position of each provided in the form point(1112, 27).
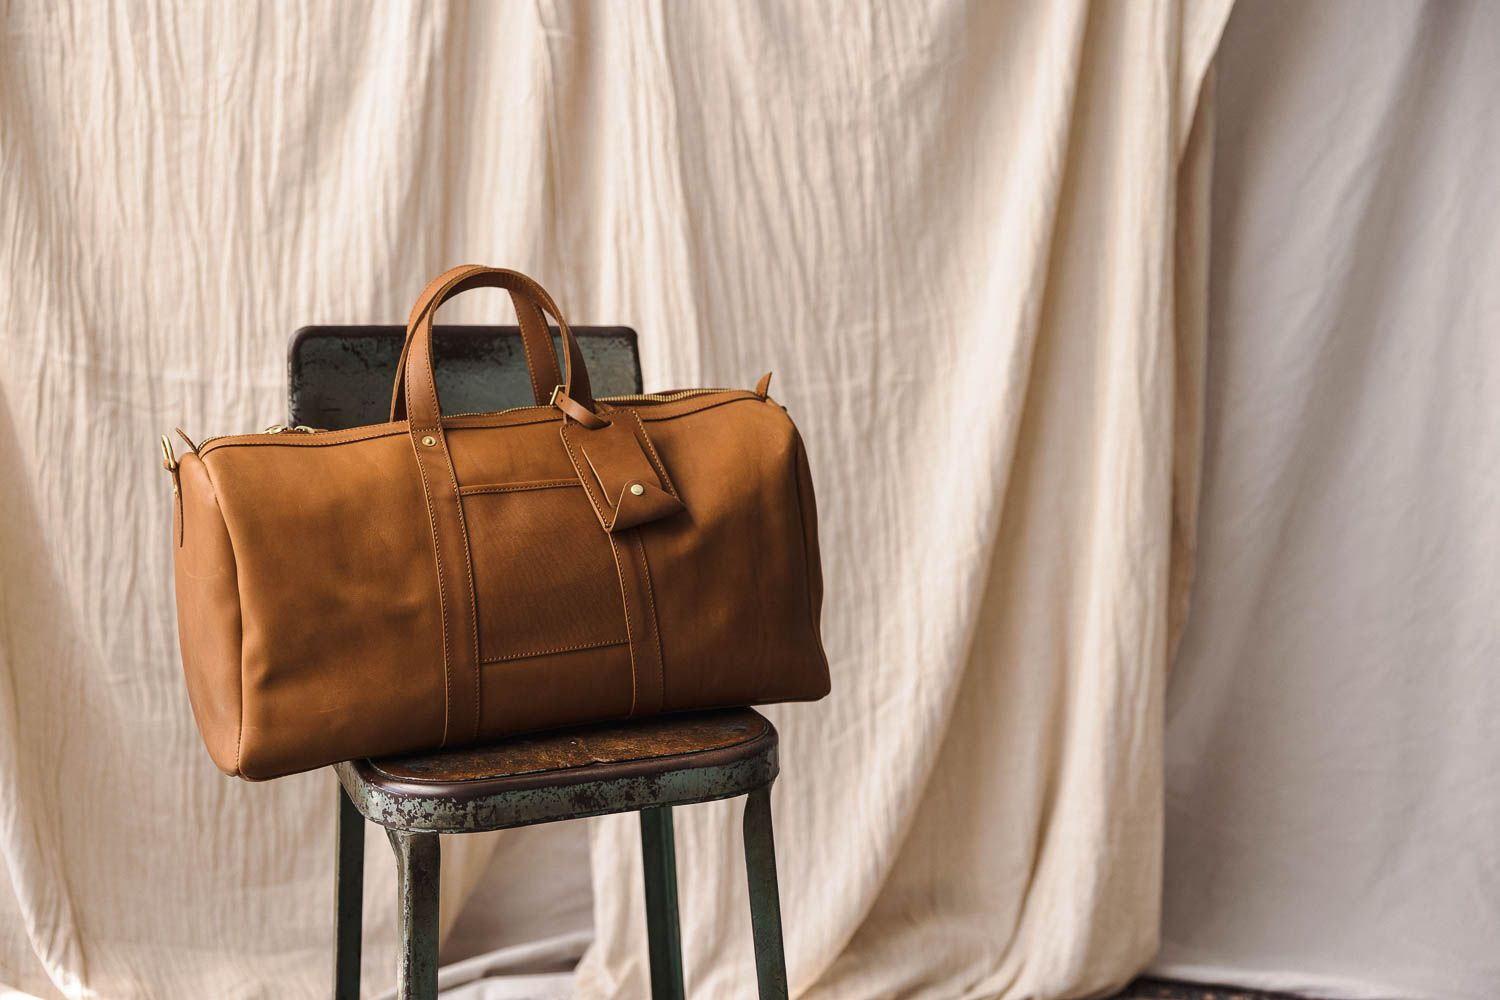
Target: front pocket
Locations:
point(544, 574)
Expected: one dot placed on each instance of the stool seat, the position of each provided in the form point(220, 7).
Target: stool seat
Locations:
point(567, 774)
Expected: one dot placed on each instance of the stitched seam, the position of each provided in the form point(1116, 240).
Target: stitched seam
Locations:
point(614, 506)
point(748, 398)
point(661, 676)
point(463, 529)
point(239, 735)
point(462, 423)
point(536, 390)
point(661, 469)
point(619, 570)
point(437, 543)
point(420, 309)
point(213, 446)
point(802, 523)
point(541, 484)
point(179, 508)
point(437, 552)
point(560, 649)
point(629, 631)
point(465, 422)
point(578, 468)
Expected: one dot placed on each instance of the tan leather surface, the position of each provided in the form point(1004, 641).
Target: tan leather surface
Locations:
point(415, 584)
point(534, 561)
point(638, 602)
point(620, 470)
point(208, 614)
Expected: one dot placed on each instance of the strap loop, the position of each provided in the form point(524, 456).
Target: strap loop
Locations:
point(571, 408)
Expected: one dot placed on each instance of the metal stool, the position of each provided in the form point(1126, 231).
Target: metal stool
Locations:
point(648, 766)
point(341, 377)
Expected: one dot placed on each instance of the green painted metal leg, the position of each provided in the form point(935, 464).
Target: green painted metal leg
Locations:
point(417, 862)
point(659, 853)
point(348, 897)
point(765, 900)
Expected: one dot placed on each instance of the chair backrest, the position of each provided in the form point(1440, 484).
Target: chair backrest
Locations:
point(341, 376)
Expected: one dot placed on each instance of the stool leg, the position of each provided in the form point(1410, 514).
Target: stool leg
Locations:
point(348, 897)
point(765, 900)
point(417, 860)
point(659, 854)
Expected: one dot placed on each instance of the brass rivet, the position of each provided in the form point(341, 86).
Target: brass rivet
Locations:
point(637, 489)
point(429, 440)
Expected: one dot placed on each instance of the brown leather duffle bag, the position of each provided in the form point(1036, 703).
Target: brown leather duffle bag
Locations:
point(434, 581)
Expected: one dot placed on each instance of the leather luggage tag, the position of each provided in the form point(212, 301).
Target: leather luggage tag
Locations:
point(621, 472)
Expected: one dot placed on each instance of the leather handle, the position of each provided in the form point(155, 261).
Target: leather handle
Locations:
point(540, 360)
point(416, 392)
point(524, 314)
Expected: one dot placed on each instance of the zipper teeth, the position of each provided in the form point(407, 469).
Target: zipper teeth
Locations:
point(273, 429)
point(661, 397)
point(635, 397)
point(494, 413)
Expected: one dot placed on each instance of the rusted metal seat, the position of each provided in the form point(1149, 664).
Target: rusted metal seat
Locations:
point(647, 766)
point(341, 377)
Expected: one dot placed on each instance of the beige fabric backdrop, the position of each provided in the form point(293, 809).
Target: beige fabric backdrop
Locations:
point(1332, 740)
point(959, 234)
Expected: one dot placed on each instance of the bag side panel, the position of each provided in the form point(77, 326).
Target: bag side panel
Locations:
point(811, 553)
point(208, 615)
point(736, 581)
point(343, 640)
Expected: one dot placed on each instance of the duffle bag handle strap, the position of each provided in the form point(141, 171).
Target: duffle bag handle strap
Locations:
point(416, 393)
point(531, 301)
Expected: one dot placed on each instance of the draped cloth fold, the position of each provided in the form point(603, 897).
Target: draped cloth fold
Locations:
point(968, 238)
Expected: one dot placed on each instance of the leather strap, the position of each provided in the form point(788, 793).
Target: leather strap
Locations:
point(569, 406)
point(541, 362)
point(640, 622)
point(417, 395)
point(455, 571)
point(536, 341)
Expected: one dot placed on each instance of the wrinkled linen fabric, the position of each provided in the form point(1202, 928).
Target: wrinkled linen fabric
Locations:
point(1333, 794)
point(970, 240)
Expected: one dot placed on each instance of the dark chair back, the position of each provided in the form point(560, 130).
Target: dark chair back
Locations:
point(341, 376)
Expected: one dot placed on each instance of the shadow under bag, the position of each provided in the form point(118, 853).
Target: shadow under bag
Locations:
point(440, 580)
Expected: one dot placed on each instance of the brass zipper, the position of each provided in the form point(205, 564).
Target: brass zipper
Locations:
point(661, 397)
point(273, 429)
point(638, 397)
point(495, 413)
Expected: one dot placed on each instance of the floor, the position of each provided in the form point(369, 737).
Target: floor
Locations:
point(1159, 989)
